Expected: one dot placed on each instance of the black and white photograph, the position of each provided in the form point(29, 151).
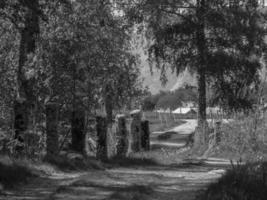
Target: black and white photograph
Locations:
point(133, 99)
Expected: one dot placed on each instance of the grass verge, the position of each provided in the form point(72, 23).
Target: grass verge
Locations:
point(130, 162)
point(13, 173)
point(74, 162)
point(242, 182)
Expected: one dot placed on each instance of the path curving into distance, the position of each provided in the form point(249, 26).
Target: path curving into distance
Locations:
point(182, 181)
point(174, 138)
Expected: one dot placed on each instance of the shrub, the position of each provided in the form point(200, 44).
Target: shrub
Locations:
point(247, 182)
point(74, 161)
point(244, 138)
point(14, 173)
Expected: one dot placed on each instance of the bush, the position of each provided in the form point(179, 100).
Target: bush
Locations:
point(14, 173)
point(243, 138)
point(246, 182)
point(74, 161)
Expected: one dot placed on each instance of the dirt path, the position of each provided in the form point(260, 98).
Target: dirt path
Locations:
point(179, 181)
point(186, 128)
point(157, 183)
point(174, 138)
point(41, 188)
point(183, 181)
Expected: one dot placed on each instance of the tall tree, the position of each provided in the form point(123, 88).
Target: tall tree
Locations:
point(195, 34)
point(25, 16)
point(240, 47)
point(85, 51)
point(8, 65)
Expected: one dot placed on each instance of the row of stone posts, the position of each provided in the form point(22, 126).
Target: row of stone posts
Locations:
point(126, 136)
point(78, 131)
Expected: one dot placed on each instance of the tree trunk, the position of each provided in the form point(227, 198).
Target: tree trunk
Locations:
point(108, 104)
point(25, 96)
point(201, 132)
point(201, 98)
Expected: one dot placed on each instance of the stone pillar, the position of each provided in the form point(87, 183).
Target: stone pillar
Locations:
point(91, 136)
point(31, 140)
point(135, 131)
point(51, 130)
point(111, 141)
point(101, 129)
point(145, 133)
point(121, 132)
point(21, 120)
point(217, 131)
point(78, 132)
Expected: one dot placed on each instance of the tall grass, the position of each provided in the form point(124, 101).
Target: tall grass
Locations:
point(242, 182)
point(244, 138)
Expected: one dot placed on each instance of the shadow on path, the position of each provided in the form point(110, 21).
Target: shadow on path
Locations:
point(128, 179)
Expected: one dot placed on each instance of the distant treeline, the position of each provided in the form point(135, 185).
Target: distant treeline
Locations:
point(172, 100)
point(229, 101)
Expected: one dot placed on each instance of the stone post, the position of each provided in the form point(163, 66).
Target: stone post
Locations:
point(135, 131)
point(21, 120)
point(145, 133)
point(111, 141)
point(52, 147)
point(121, 132)
point(91, 136)
point(78, 132)
point(101, 129)
point(217, 131)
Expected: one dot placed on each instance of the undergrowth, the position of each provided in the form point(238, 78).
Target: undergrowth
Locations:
point(13, 173)
point(243, 138)
point(241, 182)
point(74, 162)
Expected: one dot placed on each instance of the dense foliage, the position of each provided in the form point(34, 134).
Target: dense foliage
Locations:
point(77, 54)
point(222, 41)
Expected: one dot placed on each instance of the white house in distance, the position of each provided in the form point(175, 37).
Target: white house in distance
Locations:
point(164, 111)
point(186, 107)
point(186, 110)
